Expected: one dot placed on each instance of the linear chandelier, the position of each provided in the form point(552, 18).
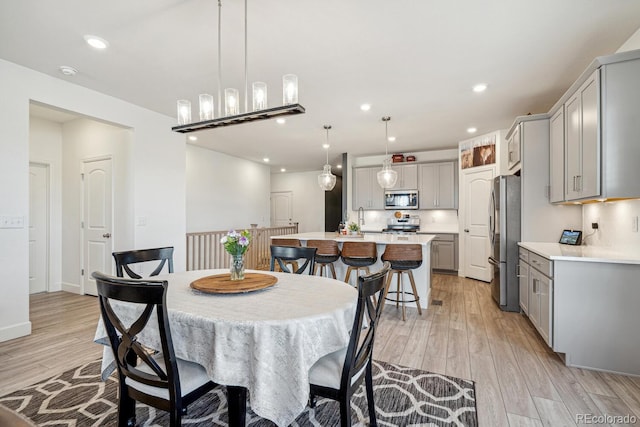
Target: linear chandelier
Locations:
point(231, 114)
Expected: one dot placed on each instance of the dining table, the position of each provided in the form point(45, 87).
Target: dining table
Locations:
point(260, 342)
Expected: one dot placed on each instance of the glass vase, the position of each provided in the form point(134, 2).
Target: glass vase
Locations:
point(237, 267)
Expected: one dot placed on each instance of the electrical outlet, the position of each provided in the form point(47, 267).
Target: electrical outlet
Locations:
point(594, 225)
point(634, 224)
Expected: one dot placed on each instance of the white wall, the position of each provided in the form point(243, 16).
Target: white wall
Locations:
point(158, 176)
point(225, 192)
point(632, 43)
point(45, 146)
point(308, 198)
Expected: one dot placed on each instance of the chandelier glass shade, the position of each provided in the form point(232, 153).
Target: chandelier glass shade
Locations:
point(387, 177)
point(231, 112)
point(327, 180)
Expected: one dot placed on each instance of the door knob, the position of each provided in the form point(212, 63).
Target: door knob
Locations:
point(106, 235)
point(466, 230)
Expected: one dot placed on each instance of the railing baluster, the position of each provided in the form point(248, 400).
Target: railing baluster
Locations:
point(204, 250)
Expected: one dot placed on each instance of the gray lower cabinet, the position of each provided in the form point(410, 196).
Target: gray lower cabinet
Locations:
point(536, 292)
point(443, 252)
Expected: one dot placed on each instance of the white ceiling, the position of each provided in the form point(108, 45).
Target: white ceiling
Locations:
point(413, 60)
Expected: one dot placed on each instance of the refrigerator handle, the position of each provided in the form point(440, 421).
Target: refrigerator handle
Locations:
point(492, 211)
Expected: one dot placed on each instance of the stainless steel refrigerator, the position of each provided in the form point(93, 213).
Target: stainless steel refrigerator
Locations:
point(504, 233)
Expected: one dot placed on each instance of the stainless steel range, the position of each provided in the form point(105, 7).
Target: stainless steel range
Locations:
point(404, 224)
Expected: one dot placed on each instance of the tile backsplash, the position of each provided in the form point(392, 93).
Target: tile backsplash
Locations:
point(616, 224)
point(377, 220)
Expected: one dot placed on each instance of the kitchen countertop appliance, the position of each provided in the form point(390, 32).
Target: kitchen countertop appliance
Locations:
point(402, 223)
point(504, 234)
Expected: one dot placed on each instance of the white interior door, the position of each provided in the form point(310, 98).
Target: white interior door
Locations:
point(281, 208)
point(476, 223)
point(97, 221)
point(38, 227)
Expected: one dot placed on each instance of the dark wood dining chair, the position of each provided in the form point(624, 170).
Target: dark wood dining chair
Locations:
point(284, 255)
point(125, 258)
point(339, 374)
point(160, 380)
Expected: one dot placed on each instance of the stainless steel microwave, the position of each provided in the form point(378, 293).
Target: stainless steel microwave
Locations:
point(401, 199)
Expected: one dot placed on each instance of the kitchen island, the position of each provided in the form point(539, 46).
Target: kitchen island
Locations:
point(422, 275)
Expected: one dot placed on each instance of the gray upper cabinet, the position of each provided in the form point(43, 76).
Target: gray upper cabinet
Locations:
point(407, 177)
point(367, 194)
point(582, 177)
point(438, 186)
point(556, 156)
point(514, 148)
point(601, 131)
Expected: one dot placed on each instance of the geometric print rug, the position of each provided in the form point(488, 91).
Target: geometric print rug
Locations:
point(403, 397)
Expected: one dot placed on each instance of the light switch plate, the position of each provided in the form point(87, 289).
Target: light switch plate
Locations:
point(634, 224)
point(7, 221)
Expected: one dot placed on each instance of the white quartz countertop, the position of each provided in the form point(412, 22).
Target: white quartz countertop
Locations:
point(383, 239)
point(556, 251)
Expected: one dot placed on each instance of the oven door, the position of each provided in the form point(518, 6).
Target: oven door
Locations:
point(401, 199)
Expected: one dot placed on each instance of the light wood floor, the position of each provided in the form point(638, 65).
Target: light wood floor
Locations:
point(519, 382)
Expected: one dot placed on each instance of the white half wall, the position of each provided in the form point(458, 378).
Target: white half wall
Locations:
point(158, 170)
point(308, 198)
point(225, 192)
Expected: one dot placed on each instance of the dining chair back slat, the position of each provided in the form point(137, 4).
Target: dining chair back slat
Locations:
point(125, 258)
point(283, 255)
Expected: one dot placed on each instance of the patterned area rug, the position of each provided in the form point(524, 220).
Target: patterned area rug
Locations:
point(403, 396)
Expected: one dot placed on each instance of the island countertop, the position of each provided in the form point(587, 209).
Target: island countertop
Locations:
point(381, 239)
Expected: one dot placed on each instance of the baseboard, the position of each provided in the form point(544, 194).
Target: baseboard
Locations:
point(72, 288)
point(15, 331)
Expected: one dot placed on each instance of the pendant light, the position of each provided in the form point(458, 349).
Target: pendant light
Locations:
point(387, 177)
point(327, 180)
point(230, 113)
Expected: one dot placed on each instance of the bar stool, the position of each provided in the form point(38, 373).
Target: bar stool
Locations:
point(286, 242)
point(358, 256)
point(328, 253)
point(403, 259)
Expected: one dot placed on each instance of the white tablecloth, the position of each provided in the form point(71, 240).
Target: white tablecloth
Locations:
point(265, 341)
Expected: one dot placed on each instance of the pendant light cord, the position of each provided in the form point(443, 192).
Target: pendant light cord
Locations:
point(327, 127)
point(246, 67)
point(386, 135)
point(219, 58)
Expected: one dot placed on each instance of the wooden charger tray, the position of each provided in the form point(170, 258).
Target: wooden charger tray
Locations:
point(222, 283)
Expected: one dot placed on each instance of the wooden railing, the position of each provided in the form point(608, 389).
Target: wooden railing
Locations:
point(204, 250)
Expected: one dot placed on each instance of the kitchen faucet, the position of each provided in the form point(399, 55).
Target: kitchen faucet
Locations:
point(360, 216)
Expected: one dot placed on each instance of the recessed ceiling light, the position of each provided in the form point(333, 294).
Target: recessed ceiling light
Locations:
point(472, 130)
point(68, 71)
point(325, 146)
point(281, 121)
point(339, 166)
point(266, 160)
point(391, 139)
point(480, 87)
point(283, 170)
point(193, 138)
point(96, 42)
point(365, 107)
